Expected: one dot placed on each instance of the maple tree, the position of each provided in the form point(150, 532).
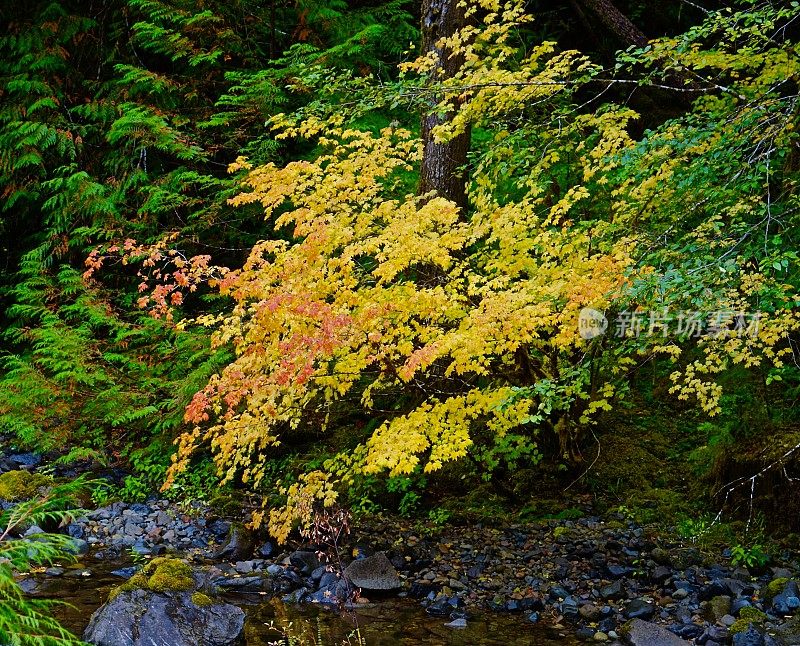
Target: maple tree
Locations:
point(473, 314)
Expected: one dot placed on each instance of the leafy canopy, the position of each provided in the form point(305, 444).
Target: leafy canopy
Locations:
point(371, 291)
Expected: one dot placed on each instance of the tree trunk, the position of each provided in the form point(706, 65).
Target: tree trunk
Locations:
point(627, 32)
point(442, 163)
point(616, 22)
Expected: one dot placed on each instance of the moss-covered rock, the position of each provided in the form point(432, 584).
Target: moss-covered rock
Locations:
point(774, 588)
point(22, 485)
point(739, 626)
point(137, 582)
point(718, 607)
point(202, 600)
point(625, 462)
point(146, 617)
point(167, 574)
point(226, 505)
point(159, 575)
point(747, 615)
point(752, 614)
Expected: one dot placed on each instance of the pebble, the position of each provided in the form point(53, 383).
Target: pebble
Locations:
point(148, 528)
point(460, 622)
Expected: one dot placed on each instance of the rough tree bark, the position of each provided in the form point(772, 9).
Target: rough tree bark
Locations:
point(627, 32)
point(442, 163)
point(616, 22)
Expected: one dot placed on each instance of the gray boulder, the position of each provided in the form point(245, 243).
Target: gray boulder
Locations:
point(145, 618)
point(373, 573)
point(639, 609)
point(643, 633)
point(305, 561)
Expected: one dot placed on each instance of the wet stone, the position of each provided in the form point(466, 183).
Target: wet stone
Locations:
point(373, 573)
point(639, 609)
point(644, 633)
point(612, 591)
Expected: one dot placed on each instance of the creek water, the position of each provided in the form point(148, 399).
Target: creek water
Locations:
point(387, 623)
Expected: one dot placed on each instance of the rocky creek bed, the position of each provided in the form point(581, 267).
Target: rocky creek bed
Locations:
point(592, 579)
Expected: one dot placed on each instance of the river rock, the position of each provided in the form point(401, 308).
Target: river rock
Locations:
point(239, 546)
point(145, 618)
point(268, 550)
point(639, 609)
point(373, 573)
point(273, 569)
point(459, 622)
point(716, 588)
point(718, 634)
point(76, 547)
point(336, 593)
point(750, 637)
point(589, 612)
point(718, 607)
point(612, 591)
point(661, 556)
point(788, 600)
point(75, 530)
point(29, 585)
point(618, 571)
point(219, 528)
point(24, 460)
point(126, 572)
point(661, 573)
point(446, 607)
point(305, 561)
point(643, 633)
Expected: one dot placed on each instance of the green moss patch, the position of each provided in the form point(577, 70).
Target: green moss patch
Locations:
point(747, 615)
point(22, 485)
point(739, 626)
point(773, 588)
point(752, 614)
point(202, 600)
point(159, 575)
point(168, 574)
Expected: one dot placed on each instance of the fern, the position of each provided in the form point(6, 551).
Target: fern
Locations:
point(25, 621)
point(121, 124)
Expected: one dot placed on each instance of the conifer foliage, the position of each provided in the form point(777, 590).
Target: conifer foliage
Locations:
point(117, 122)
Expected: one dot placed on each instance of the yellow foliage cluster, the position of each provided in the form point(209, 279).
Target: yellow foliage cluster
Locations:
point(369, 292)
point(374, 292)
